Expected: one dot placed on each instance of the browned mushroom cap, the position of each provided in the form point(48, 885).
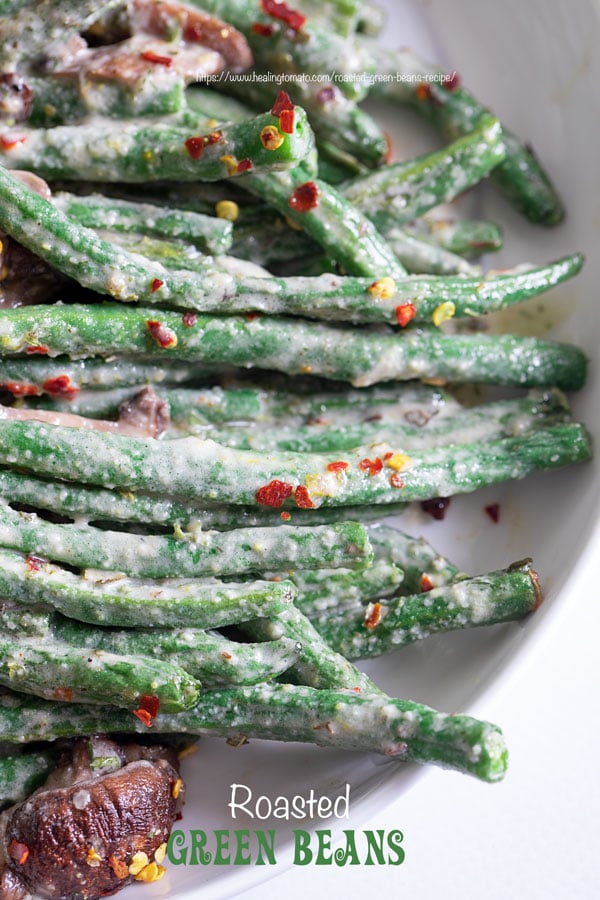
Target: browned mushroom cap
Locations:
point(92, 837)
point(159, 16)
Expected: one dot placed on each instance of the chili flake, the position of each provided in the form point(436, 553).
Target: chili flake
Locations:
point(274, 494)
point(34, 563)
point(405, 313)
point(451, 81)
point(436, 507)
point(282, 101)
point(271, 138)
point(156, 285)
point(397, 461)
point(150, 703)
point(285, 515)
point(213, 138)
point(263, 30)
point(151, 56)
point(372, 615)
point(20, 388)
point(195, 147)
point(60, 386)
point(279, 10)
point(493, 511)
point(423, 90)
point(396, 481)
point(119, 867)
point(426, 583)
point(230, 163)
point(383, 288)
point(164, 337)
point(144, 717)
point(244, 165)
point(337, 466)
point(189, 319)
point(372, 466)
point(286, 120)
point(227, 209)
point(63, 693)
point(443, 312)
point(305, 197)
point(302, 498)
point(8, 141)
point(37, 348)
point(18, 851)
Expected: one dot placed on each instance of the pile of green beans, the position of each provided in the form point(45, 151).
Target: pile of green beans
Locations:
point(226, 577)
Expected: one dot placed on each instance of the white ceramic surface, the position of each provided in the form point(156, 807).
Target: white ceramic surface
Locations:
point(534, 63)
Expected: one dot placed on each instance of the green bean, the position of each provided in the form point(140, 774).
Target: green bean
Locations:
point(130, 151)
point(209, 233)
point(362, 357)
point(22, 773)
point(102, 598)
point(102, 505)
point(401, 192)
point(202, 553)
point(383, 626)
point(207, 656)
point(323, 591)
point(469, 237)
point(488, 421)
point(402, 729)
point(201, 470)
point(58, 671)
point(415, 556)
point(455, 111)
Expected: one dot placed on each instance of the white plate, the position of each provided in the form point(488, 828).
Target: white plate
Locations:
point(533, 62)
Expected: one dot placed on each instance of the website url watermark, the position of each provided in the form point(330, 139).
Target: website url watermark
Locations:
point(367, 78)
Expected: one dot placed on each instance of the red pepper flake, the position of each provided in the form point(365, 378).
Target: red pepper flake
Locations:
point(195, 147)
point(426, 583)
point(388, 455)
point(244, 165)
point(18, 851)
point(302, 498)
point(423, 90)
point(357, 689)
point(163, 336)
point(37, 348)
point(156, 284)
point(60, 386)
point(151, 56)
point(285, 515)
point(280, 10)
point(372, 466)
point(283, 101)
point(286, 121)
point(436, 507)
point(396, 480)
point(405, 313)
point(305, 197)
point(150, 703)
point(451, 81)
point(144, 717)
point(372, 615)
point(189, 319)
point(119, 867)
point(263, 30)
point(64, 694)
point(213, 138)
point(274, 494)
point(493, 511)
point(252, 315)
point(20, 389)
point(34, 563)
point(9, 141)
point(337, 466)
